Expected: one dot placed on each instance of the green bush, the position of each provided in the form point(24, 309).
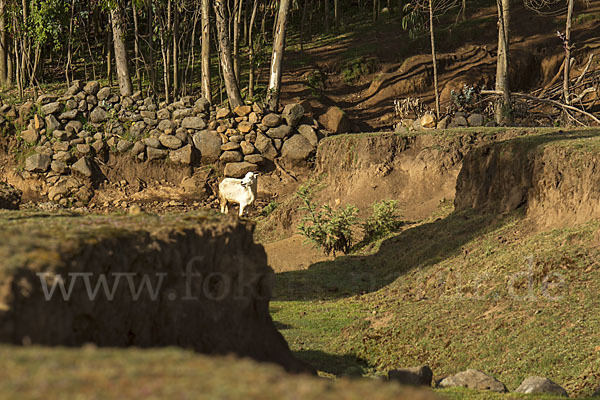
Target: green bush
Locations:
point(328, 229)
point(384, 220)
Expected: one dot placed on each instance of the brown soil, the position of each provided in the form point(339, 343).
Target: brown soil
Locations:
point(405, 66)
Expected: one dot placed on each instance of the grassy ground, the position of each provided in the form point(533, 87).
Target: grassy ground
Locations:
point(464, 291)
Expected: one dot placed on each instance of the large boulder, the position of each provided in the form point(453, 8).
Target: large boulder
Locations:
point(309, 134)
point(184, 156)
point(10, 197)
point(52, 108)
point(474, 379)
point(209, 144)
point(265, 146)
point(193, 123)
point(37, 163)
point(540, 385)
point(271, 120)
point(98, 115)
point(92, 87)
point(231, 157)
point(239, 169)
point(170, 142)
point(335, 120)
point(293, 113)
point(83, 167)
point(296, 149)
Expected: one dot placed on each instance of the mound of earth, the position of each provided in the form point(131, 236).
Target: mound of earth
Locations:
point(193, 280)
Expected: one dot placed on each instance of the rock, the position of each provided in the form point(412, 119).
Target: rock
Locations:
point(230, 146)
point(193, 123)
point(280, 132)
point(63, 156)
point(30, 136)
point(137, 129)
point(170, 142)
point(148, 114)
point(10, 197)
point(209, 145)
point(428, 121)
point(540, 385)
point(83, 167)
point(239, 169)
point(76, 87)
point(247, 147)
point(74, 127)
point(458, 121)
point(475, 120)
point(309, 134)
point(182, 113)
point(223, 113)
point(68, 115)
point(98, 146)
point(156, 154)
point(185, 155)
point(83, 148)
point(202, 104)
point(152, 142)
point(443, 123)
point(92, 87)
point(254, 159)
point(242, 111)
point(51, 123)
point(335, 120)
point(52, 108)
point(138, 148)
point(103, 94)
point(46, 99)
point(296, 148)
point(473, 379)
point(60, 146)
point(37, 163)
point(293, 113)
point(231, 157)
point(124, 145)
point(245, 127)
point(98, 115)
point(416, 376)
point(265, 146)
point(25, 110)
point(163, 113)
point(271, 120)
point(58, 191)
point(58, 166)
point(60, 135)
point(165, 125)
point(236, 138)
point(278, 143)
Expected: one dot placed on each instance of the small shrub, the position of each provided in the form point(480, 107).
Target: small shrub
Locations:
point(410, 107)
point(466, 99)
point(383, 220)
point(269, 208)
point(328, 229)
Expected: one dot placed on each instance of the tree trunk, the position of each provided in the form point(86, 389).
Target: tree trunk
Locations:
point(69, 47)
point(277, 57)
point(124, 78)
point(175, 24)
point(434, 60)
point(231, 84)
point(503, 112)
point(251, 51)
point(336, 12)
point(3, 45)
point(326, 12)
point(567, 70)
point(236, 38)
point(206, 93)
point(136, 46)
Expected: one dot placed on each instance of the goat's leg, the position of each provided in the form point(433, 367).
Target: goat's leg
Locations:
point(242, 207)
point(223, 203)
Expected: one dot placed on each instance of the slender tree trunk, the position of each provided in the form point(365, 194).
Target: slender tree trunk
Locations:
point(326, 12)
point(125, 87)
point(150, 48)
point(336, 12)
point(503, 112)
point(206, 93)
point(136, 46)
point(69, 46)
point(3, 45)
point(231, 84)
point(434, 61)
point(277, 57)
point(251, 51)
point(175, 24)
point(236, 38)
point(567, 70)
point(109, 72)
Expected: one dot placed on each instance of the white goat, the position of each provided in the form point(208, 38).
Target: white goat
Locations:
point(238, 191)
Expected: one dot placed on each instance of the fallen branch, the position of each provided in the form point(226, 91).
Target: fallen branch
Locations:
point(587, 66)
point(532, 98)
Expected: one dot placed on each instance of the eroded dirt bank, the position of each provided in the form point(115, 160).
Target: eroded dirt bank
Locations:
point(555, 177)
point(223, 308)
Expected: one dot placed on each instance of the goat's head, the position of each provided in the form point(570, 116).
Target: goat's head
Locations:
point(249, 179)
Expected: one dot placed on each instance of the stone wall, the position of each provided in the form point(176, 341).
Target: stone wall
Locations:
point(66, 136)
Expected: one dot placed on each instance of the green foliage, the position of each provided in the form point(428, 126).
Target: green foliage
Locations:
point(315, 81)
point(466, 99)
point(353, 70)
point(383, 220)
point(329, 229)
point(269, 208)
point(47, 21)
